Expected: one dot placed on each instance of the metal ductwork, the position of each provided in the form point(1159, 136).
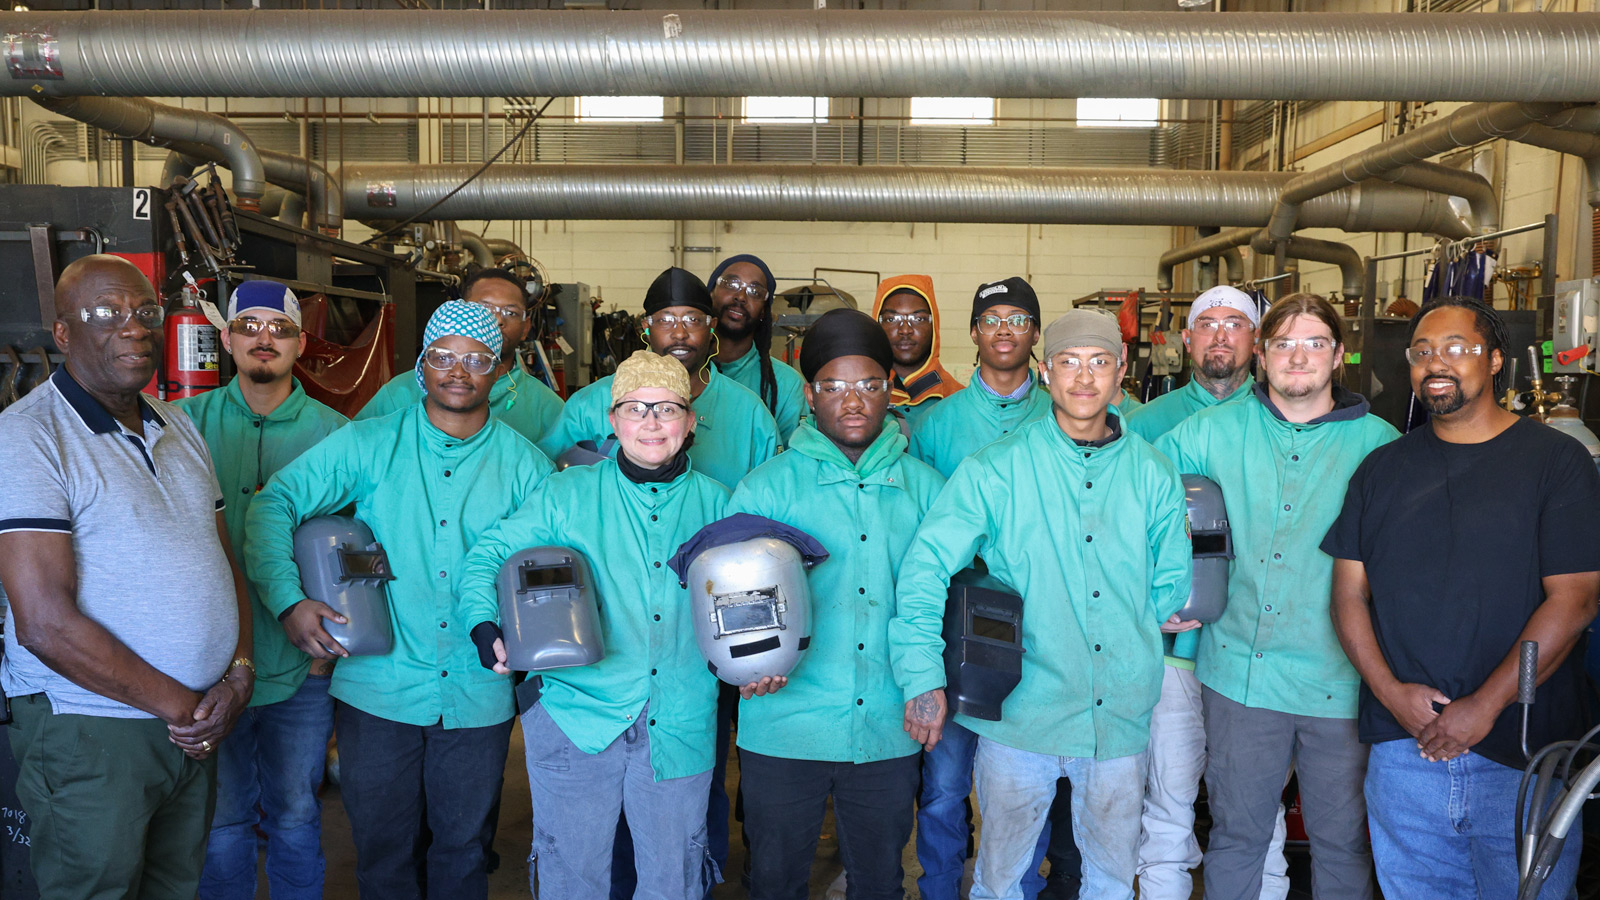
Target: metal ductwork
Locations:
point(501, 248)
point(1580, 141)
point(814, 53)
point(1471, 124)
point(285, 170)
point(166, 126)
point(1470, 186)
point(880, 194)
point(1352, 272)
point(1353, 275)
point(474, 244)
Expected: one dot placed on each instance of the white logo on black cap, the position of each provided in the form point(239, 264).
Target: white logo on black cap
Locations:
point(993, 289)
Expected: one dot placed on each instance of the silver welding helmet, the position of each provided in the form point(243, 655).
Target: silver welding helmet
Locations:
point(1212, 547)
point(749, 596)
point(342, 565)
point(585, 453)
point(548, 610)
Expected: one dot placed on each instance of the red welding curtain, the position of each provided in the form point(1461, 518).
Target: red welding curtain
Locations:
point(345, 377)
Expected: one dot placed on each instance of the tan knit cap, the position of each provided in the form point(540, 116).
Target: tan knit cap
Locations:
point(646, 369)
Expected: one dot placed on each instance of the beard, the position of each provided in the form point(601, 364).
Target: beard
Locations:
point(261, 375)
point(1446, 404)
point(738, 331)
point(1218, 368)
point(1296, 390)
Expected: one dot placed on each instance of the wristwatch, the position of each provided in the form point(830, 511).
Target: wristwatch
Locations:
point(241, 661)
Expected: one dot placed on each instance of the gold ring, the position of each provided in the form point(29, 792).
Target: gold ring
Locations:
point(206, 746)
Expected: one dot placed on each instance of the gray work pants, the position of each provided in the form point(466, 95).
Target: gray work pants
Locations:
point(1250, 752)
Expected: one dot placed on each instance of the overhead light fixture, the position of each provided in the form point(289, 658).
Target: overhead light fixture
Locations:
point(1193, 4)
point(21, 7)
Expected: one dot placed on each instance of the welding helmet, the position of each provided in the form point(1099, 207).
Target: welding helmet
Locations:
point(343, 566)
point(982, 645)
point(548, 610)
point(586, 453)
point(748, 595)
point(1212, 543)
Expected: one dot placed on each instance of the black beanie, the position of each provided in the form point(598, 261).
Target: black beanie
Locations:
point(677, 287)
point(1011, 292)
point(844, 332)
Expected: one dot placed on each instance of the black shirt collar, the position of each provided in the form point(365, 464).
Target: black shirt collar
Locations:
point(1347, 405)
point(1113, 423)
point(89, 409)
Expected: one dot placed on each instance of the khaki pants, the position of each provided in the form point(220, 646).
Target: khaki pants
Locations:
point(117, 811)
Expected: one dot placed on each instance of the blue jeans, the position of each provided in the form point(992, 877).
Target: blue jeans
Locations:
point(1015, 788)
point(577, 799)
point(943, 823)
point(268, 771)
point(1444, 830)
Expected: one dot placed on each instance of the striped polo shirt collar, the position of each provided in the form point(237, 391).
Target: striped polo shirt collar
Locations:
point(89, 411)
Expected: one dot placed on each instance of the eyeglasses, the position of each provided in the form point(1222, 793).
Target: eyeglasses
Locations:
point(915, 320)
point(476, 362)
point(1072, 365)
point(250, 326)
point(1233, 325)
point(748, 288)
point(1312, 345)
point(113, 317)
point(639, 410)
point(669, 321)
point(505, 312)
point(1017, 323)
point(1451, 354)
point(866, 387)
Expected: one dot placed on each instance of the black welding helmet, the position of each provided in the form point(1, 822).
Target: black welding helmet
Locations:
point(982, 645)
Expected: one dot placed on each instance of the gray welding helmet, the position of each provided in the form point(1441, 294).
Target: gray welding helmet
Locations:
point(342, 565)
point(749, 596)
point(1212, 542)
point(585, 453)
point(548, 610)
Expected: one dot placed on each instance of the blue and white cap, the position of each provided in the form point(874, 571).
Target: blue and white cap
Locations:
point(458, 317)
point(268, 295)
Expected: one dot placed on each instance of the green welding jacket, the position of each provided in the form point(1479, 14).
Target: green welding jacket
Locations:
point(518, 399)
point(734, 433)
point(627, 532)
point(1092, 537)
point(427, 496)
point(249, 449)
point(962, 423)
point(1163, 414)
point(1283, 483)
point(746, 370)
point(845, 701)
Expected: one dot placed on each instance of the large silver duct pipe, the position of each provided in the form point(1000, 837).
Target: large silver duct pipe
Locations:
point(880, 194)
point(473, 243)
point(285, 170)
point(1351, 271)
point(1469, 125)
point(1574, 142)
point(814, 53)
point(164, 126)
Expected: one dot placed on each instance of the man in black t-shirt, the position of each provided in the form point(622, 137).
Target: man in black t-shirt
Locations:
point(1457, 542)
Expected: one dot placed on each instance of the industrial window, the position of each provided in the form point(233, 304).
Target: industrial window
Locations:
point(766, 110)
point(619, 109)
point(952, 110)
point(1139, 112)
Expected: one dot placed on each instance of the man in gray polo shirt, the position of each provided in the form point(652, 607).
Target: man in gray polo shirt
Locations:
point(126, 607)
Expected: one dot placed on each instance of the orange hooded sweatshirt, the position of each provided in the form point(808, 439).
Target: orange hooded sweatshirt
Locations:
point(930, 381)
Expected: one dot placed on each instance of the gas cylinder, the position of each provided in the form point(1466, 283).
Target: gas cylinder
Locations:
point(193, 348)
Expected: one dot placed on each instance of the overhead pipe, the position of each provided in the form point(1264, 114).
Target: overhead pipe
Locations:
point(481, 254)
point(501, 248)
point(1574, 142)
point(968, 194)
point(1469, 125)
point(285, 170)
point(813, 53)
point(1351, 270)
point(1469, 186)
point(163, 126)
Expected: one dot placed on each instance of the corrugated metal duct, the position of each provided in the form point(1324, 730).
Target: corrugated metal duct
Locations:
point(874, 194)
point(470, 53)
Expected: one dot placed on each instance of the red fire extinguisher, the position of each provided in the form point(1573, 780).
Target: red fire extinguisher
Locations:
point(193, 345)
